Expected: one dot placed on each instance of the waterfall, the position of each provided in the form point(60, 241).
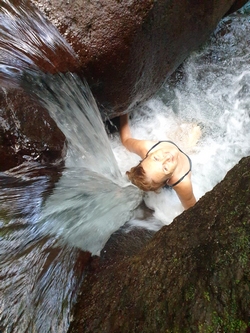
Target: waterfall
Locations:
point(26, 39)
point(91, 196)
point(211, 89)
point(42, 221)
point(40, 218)
point(92, 199)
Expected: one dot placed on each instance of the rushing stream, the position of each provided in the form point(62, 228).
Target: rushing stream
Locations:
point(40, 222)
point(211, 89)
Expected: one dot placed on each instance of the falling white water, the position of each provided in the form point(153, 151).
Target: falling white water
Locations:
point(39, 237)
point(38, 281)
point(27, 37)
point(213, 91)
point(92, 199)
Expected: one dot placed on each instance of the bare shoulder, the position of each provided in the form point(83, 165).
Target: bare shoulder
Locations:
point(139, 147)
point(185, 184)
point(185, 193)
point(147, 145)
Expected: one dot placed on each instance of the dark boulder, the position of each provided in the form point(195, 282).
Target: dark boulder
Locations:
point(127, 49)
point(236, 5)
point(193, 276)
point(27, 131)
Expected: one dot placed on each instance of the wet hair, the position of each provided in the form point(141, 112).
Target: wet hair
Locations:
point(138, 177)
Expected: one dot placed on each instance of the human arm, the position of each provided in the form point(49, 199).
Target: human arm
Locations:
point(184, 190)
point(139, 147)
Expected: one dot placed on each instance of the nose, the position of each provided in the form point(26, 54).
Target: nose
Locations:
point(167, 158)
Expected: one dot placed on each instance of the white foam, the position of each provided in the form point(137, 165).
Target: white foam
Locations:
point(214, 93)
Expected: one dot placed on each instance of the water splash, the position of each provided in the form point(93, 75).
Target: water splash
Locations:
point(70, 103)
point(37, 275)
point(92, 199)
point(212, 89)
point(42, 218)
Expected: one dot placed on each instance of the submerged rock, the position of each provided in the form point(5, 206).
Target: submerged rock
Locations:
point(193, 276)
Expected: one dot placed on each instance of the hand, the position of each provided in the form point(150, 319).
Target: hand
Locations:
point(194, 136)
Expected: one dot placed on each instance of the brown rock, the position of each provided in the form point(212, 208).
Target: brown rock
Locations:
point(127, 49)
point(27, 131)
point(193, 276)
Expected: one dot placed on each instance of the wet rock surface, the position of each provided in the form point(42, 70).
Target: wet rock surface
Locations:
point(192, 276)
point(126, 49)
point(27, 132)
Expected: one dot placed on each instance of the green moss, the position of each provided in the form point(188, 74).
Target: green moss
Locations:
point(228, 321)
point(190, 293)
point(228, 325)
point(219, 324)
point(206, 296)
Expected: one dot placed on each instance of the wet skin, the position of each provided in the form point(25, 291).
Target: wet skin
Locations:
point(165, 164)
point(160, 165)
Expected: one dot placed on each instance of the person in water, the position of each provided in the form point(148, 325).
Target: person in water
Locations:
point(163, 164)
